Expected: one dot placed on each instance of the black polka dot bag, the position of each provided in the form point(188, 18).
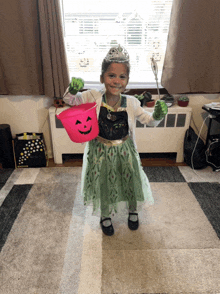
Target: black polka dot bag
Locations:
point(30, 150)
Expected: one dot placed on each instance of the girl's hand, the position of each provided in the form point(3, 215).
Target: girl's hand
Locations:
point(76, 85)
point(160, 110)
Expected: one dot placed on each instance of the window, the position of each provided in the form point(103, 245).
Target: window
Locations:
point(133, 33)
point(88, 26)
point(92, 27)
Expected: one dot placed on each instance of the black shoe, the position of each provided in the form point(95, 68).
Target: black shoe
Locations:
point(133, 225)
point(109, 231)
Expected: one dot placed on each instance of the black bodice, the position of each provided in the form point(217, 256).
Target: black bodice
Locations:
point(113, 130)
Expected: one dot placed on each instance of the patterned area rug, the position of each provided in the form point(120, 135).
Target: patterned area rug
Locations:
point(50, 243)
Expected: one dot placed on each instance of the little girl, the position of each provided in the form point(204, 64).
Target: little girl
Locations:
point(112, 174)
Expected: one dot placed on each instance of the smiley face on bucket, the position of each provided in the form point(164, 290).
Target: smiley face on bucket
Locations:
point(84, 125)
point(80, 122)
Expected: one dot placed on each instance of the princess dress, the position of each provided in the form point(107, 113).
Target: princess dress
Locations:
point(113, 179)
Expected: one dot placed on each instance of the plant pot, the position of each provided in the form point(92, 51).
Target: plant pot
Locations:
point(169, 102)
point(150, 103)
point(183, 103)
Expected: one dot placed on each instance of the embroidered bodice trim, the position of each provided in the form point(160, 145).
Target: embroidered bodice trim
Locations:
point(123, 103)
point(117, 129)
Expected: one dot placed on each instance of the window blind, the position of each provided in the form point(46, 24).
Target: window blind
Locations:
point(91, 28)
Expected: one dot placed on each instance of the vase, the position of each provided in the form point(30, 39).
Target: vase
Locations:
point(183, 103)
point(150, 103)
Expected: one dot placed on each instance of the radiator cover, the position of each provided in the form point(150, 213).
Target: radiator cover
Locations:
point(167, 137)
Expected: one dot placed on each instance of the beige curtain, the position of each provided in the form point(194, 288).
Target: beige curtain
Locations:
point(32, 53)
point(192, 60)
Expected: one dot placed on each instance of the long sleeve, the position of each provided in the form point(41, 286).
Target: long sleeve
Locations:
point(144, 116)
point(81, 97)
point(71, 99)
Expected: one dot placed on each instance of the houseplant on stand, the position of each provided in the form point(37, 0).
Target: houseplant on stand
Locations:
point(183, 101)
point(140, 98)
point(149, 102)
point(146, 99)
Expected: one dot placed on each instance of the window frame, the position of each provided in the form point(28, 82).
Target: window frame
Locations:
point(133, 87)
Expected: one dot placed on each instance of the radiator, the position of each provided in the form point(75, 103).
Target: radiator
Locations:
point(167, 137)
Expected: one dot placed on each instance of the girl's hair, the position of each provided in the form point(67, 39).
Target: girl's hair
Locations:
point(106, 64)
point(116, 54)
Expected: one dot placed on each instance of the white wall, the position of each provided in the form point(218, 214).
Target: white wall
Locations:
point(28, 114)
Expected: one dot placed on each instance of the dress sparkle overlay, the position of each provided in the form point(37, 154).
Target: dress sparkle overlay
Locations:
point(113, 179)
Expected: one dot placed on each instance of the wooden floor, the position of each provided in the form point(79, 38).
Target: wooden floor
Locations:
point(146, 159)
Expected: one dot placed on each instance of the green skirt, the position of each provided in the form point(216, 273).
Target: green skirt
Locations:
point(113, 179)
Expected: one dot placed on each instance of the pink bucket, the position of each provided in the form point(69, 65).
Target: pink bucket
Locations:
point(80, 122)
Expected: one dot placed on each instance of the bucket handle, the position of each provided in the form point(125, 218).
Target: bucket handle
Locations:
point(79, 104)
point(67, 92)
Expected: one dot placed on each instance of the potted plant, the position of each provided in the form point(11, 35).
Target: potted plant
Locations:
point(146, 99)
point(140, 98)
point(183, 101)
point(149, 102)
point(168, 99)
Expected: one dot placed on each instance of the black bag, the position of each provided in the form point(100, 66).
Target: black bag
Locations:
point(213, 153)
point(199, 157)
point(30, 150)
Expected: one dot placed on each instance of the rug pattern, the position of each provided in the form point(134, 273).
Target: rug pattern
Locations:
point(50, 243)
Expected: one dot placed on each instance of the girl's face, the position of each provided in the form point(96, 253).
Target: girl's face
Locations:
point(115, 79)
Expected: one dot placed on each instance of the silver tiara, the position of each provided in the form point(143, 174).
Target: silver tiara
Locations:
point(118, 54)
